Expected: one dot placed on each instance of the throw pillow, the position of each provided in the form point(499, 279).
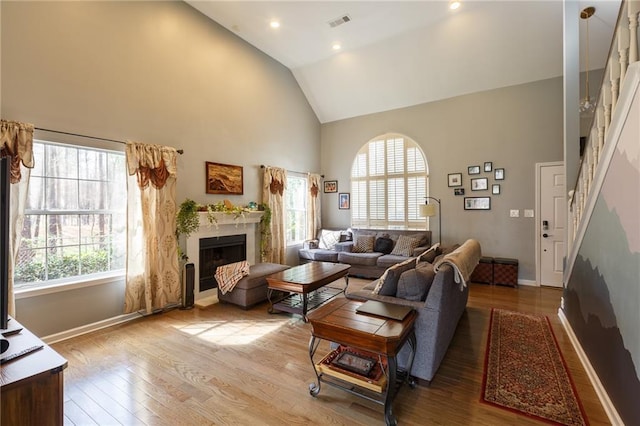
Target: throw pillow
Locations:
point(388, 283)
point(405, 246)
point(383, 245)
point(363, 244)
point(415, 283)
point(328, 239)
point(428, 255)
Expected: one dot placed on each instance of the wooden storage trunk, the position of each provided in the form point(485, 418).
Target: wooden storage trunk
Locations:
point(483, 273)
point(505, 271)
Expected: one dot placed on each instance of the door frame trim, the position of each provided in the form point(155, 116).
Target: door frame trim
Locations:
point(539, 167)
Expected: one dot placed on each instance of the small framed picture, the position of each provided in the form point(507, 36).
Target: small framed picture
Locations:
point(455, 179)
point(344, 201)
point(477, 203)
point(473, 170)
point(458, 191)
point(495, 188)
point(330, 186)
point(479, 184)
point(499, 174)
point(488, 166)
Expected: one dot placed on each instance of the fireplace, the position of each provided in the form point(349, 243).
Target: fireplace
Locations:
point(217, 251)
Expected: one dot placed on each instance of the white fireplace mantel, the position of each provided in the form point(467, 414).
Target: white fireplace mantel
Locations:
point(225, 224)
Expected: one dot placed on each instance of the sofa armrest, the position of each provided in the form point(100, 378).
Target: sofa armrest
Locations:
point(310, 244)
point(346, 246)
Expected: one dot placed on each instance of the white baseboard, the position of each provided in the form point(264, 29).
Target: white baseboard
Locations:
point(78, 331)
point(532, 283)
point(608, 406)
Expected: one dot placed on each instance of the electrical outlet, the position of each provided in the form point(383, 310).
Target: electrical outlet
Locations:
point(514, 213)
point(528, 213)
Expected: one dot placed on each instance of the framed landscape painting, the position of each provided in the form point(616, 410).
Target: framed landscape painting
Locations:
point(224, 179)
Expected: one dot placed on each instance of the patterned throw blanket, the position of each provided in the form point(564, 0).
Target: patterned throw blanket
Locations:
point(463, 260)
point(229, 275)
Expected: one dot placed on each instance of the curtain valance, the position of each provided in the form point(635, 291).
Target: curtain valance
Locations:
point(16, 140)
point(151, 163)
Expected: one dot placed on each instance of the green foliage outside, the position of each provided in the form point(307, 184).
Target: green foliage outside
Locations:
point(62, 267)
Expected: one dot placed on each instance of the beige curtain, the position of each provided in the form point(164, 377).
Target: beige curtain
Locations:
point(314, 220)
point(16, 140)
point(153, 279)
point(273, 186)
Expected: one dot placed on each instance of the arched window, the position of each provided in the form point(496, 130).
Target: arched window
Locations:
point(389, 179)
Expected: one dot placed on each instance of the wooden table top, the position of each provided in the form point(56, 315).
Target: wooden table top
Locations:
point(307, 277)
point(40, 361)
point(339, 322)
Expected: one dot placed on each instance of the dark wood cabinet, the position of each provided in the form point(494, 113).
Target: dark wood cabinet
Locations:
point(31, 387)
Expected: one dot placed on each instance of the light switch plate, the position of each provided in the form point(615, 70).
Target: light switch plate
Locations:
point(528, 213)
point(514, 213)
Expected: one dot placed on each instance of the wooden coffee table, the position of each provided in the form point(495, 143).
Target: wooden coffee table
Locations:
point(305, 286)
point(338, 322)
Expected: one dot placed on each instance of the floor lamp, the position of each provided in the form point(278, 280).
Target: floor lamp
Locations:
point(429, 210)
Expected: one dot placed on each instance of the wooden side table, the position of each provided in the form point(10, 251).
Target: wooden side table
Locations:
point(338, 322)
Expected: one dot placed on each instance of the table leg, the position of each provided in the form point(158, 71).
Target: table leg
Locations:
point(269, 294)
point(314, 388)
point(413, 345)
point(392, 366)
point(305, 302)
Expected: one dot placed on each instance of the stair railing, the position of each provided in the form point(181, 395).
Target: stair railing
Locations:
point(622, 53)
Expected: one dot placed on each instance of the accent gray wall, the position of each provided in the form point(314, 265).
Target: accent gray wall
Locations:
point(514, 127)
point(153, 72)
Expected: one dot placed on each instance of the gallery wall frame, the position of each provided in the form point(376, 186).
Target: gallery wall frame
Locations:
point(479, 184)
point(330, 186)
point(498, 174)
point(458, 191)
point(488, 166)
point(454, 179)
point(477, 203)
point(473, 170)
point(344, 201)
point(495, 188)
point(223, 179)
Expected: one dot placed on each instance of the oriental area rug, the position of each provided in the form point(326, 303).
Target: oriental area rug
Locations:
point(525, 372)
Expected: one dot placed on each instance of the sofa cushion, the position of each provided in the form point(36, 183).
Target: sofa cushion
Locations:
point(363, 243)
point(405, 246)
point(383, 244)
point(319, 255)
point(363, 259)
point(414, 284)
point(328, 239)
point(257, 275)
point(388, 260)
point(388, 283)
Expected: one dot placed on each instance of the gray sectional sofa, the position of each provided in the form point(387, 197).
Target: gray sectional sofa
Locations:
point(432, 290)
point(342, 246)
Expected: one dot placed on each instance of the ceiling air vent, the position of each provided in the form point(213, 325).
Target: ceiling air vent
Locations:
point(339, 21)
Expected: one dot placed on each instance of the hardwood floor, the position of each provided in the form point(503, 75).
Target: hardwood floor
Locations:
point(223, 365)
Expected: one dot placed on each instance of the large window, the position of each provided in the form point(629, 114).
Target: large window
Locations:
point(75, 218)
point(296, 209)
point(389, 180)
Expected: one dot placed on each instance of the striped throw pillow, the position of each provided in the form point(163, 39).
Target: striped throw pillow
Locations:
point(405, 246)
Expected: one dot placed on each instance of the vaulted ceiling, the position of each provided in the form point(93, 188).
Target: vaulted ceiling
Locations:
point(396, 54)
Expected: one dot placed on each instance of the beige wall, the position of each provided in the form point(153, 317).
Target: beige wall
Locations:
point(155, 72)
point(514, 127)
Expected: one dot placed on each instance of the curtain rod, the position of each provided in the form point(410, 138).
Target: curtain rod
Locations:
point(179, 151)
point(262, 166)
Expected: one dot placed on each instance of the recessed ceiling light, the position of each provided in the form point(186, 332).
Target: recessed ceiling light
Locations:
point(274, 24)
point(454, 4)
point(336, 46)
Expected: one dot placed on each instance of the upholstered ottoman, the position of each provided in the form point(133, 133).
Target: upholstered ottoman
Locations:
point(483, 273)
point(505, 271)
point(252, 289)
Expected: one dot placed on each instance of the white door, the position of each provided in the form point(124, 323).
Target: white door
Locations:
point(551, 223)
